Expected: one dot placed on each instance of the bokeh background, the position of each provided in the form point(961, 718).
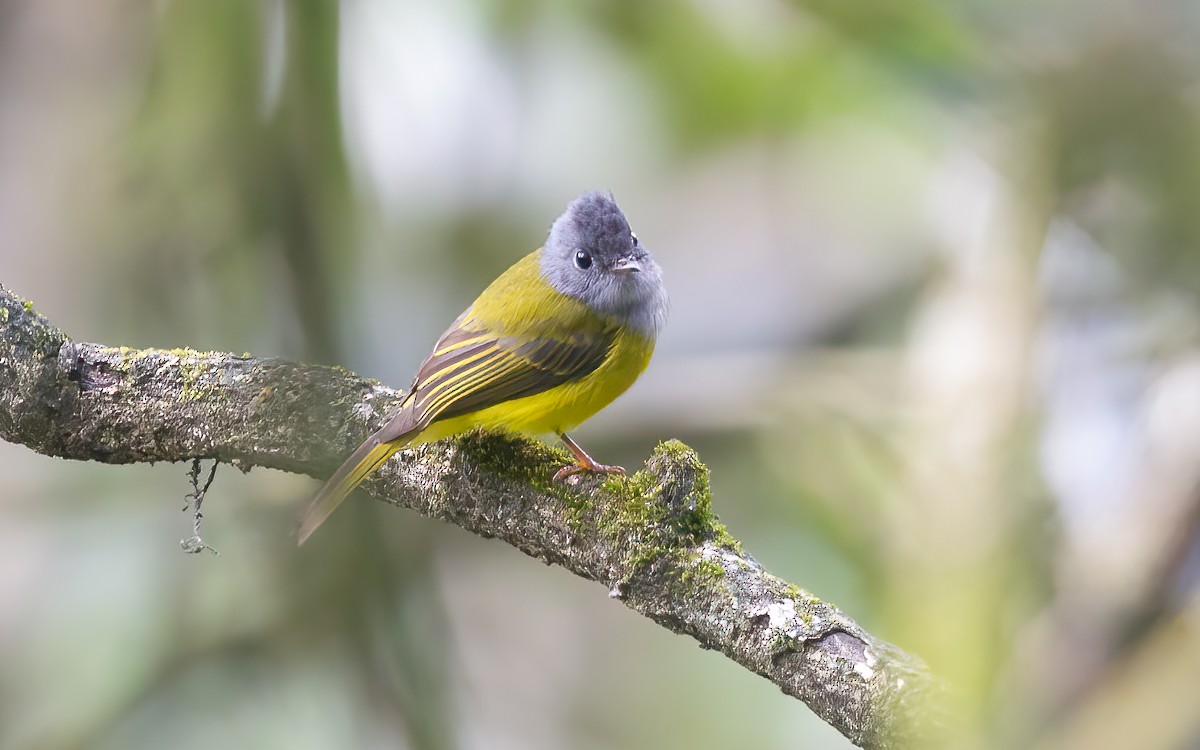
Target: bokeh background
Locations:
point(934, 275)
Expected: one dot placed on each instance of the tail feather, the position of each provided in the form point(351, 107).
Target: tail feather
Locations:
point(369, 457)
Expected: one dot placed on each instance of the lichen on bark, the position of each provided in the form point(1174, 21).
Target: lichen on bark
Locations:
point(652, 539)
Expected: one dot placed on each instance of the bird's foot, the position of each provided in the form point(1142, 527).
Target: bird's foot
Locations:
point(572, 469)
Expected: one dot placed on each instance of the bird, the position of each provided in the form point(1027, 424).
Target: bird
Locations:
point(551, 341)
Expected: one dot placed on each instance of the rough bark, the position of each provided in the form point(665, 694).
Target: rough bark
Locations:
point(651, 539)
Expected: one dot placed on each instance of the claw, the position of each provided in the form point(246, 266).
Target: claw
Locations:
point(584, 462)
point(573, 469)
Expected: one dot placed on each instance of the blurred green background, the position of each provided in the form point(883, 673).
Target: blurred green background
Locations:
point(934, 277)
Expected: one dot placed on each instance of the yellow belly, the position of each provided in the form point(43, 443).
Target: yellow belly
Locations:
point(563, 407)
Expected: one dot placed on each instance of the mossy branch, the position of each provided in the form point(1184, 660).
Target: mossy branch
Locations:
point(651, 539)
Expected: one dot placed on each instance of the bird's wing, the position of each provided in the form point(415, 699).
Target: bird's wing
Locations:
point(471, 369)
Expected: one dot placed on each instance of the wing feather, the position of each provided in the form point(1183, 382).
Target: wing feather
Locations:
point(473, 369)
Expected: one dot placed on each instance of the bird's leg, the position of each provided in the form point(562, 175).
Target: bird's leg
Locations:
point(584, 462)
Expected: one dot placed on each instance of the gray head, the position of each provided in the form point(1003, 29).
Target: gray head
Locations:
point(593, 256)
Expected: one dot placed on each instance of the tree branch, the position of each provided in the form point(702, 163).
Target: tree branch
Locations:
point(651, 539)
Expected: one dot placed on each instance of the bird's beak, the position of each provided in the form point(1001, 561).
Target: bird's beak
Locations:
point(626, 265)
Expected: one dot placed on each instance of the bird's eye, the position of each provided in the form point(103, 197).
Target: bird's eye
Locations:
point(634, 236)
point(583, 259)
